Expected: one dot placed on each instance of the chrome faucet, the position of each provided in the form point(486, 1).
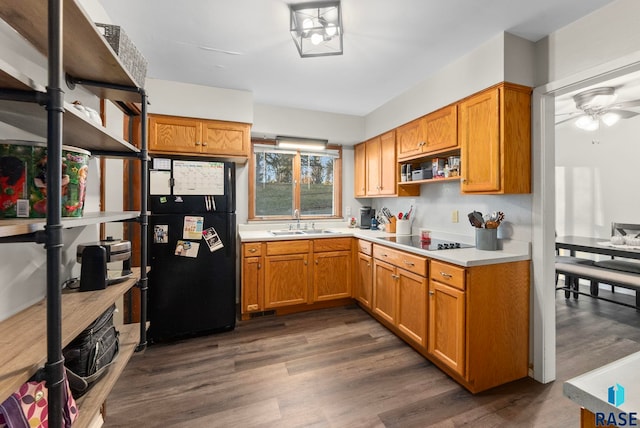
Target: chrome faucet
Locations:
point(296, 215)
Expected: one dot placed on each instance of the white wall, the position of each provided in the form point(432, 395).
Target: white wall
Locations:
point(184, 99)
point(595, 182)
point(505, 57)
point(598, 38)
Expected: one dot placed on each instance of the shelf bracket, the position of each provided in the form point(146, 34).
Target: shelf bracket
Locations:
point(37, 97)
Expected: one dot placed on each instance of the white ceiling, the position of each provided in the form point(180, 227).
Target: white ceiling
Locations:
point(389, 46)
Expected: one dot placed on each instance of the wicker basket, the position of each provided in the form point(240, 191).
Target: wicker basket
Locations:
point(129, 55)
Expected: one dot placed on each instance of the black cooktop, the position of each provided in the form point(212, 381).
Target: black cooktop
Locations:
point(433, 245)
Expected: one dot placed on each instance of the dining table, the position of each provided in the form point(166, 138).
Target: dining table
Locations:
point(594, 245)
point(588, 244)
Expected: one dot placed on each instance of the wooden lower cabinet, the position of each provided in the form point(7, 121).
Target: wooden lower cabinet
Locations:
point(447, 325)
point(384, 290)
point(286, 280)
point(412, 306)
point(252, 284)
point(479, 322)
point(332, 268)
point(332, 275)
point(400, 296)
point(363, 290)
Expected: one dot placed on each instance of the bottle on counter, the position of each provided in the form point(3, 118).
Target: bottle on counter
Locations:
point(374, 223)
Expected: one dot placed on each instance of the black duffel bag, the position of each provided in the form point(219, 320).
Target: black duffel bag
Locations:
point(89, 355)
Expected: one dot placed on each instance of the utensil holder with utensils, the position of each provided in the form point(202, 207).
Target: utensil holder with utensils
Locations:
point(403, 227)
point(486, 239)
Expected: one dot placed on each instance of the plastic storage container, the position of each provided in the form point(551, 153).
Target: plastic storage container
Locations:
point(23, 173)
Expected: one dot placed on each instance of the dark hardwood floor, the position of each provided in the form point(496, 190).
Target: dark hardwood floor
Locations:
point(340, 368)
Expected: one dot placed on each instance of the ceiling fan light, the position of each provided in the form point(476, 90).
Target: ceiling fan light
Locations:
point(316, 38)
point(610, 118)
point(587, 123)
point(316, 28)
point(331, 30)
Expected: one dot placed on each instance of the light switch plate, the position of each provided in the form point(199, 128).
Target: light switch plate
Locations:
point(454, 216)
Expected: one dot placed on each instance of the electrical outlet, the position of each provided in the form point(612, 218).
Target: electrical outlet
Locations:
point(454, 216)
point(348, 211)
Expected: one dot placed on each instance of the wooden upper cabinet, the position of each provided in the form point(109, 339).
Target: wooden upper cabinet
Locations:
point(227, 138)
point(388, 164)
point(372, 166)
point(380, 167)
point(183, 135)
point(359, 168)
point(173, 134)
point(410, 139)
point(495, 140)
point(441, 129)
point(432, 133)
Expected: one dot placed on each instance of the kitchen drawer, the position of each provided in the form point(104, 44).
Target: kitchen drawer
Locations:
point(275, 248)
point(252, 249)
point(364, 246)
point(411, 262)
point(448, 274)
point(332, 244)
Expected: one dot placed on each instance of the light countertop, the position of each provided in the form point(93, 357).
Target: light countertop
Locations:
point(512, 250)
point(591, 389)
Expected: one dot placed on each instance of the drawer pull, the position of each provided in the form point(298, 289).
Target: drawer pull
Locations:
point(446, 275)
point(253, 250)
point(408, 263)
point(394, 276)
point(384, 255)
point(431, 293)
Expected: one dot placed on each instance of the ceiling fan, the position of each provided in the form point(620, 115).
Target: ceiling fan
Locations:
point(598, 105)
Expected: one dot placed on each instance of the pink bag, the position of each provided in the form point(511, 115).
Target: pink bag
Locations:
point(29, 408)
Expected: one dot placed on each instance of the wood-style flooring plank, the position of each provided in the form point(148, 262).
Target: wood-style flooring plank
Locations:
point(340, 368)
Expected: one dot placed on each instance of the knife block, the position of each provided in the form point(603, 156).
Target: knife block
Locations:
point(391, 227)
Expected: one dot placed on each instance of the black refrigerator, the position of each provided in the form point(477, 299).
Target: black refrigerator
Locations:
point(192, 254)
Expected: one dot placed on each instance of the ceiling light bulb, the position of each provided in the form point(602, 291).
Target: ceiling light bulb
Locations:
point(307, 24)
point(330, 30)
point(588, 123)
point(610, 118)
point(316, 38)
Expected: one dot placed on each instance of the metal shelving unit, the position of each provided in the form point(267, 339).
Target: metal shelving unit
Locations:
point(78, 54)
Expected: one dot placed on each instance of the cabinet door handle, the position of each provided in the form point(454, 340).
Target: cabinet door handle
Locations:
point(197, 143)
point(394, 276)
point(253, 250)
point(305, 263)
point(408, 263)
point(431, 293)
point(368, 264)
point(446, 275)
point(259, 266)
point(316, 261)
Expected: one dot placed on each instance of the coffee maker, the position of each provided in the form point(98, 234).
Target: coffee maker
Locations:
point(366, 214)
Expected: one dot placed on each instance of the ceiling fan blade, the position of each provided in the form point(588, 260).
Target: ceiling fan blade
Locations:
point(624, 104)
point(625, 114)
point(569, 118)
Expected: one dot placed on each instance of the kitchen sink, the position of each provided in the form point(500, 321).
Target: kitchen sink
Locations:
point(286, 232)
point(317, 231)
point(301, 232)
